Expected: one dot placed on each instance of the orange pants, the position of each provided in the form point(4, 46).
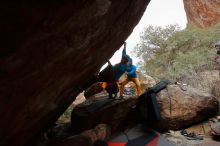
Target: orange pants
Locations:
point(104, 85)
point(137, 83)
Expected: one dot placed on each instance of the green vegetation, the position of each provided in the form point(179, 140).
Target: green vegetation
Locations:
point(65, 117)
point(170, 53)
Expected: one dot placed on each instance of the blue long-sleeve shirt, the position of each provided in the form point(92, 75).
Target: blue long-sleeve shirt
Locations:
point(120, 69)
point(131, 69)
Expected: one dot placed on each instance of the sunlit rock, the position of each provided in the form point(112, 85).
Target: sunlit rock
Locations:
point(202, 13)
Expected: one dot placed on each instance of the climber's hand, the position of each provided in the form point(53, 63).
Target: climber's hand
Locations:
point(125, 44)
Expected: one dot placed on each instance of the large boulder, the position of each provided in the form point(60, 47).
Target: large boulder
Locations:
point(103, 110)
point(48, 50)
point(202, 13)
point(180, 108)
point(94, 89)
point(86, 138)
point(146, 81)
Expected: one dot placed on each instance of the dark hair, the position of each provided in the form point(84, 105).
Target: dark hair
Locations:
point(124, 60)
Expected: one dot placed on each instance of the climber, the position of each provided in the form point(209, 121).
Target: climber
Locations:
point(126, 66)
point(131, 76)
point(120, 68)
point(113, 73)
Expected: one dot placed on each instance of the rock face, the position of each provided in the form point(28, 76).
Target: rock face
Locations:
point(215, 89)
point(94, 89)
point(183, 108)
point(86, 138)
point(48, 49)
point(180, 107)
point(202, 13)
point(146, 81)
point(87, 115)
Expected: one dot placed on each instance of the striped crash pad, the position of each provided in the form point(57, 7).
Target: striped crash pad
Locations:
point(138, 136)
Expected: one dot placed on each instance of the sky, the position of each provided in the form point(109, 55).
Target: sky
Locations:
point(158, 13)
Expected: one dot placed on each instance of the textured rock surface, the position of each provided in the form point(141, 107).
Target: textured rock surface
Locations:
point(47, 49)
point(94, 89)
point(179, 109)
point(202, 13)
point(146, 81)
point(215, 89)
point(183, 108)
point(86, 138)
point(87, 115)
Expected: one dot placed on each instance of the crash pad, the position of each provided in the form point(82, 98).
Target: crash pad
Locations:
point(138, 136)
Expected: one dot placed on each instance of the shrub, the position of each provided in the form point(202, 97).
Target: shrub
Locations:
point(183, 52)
